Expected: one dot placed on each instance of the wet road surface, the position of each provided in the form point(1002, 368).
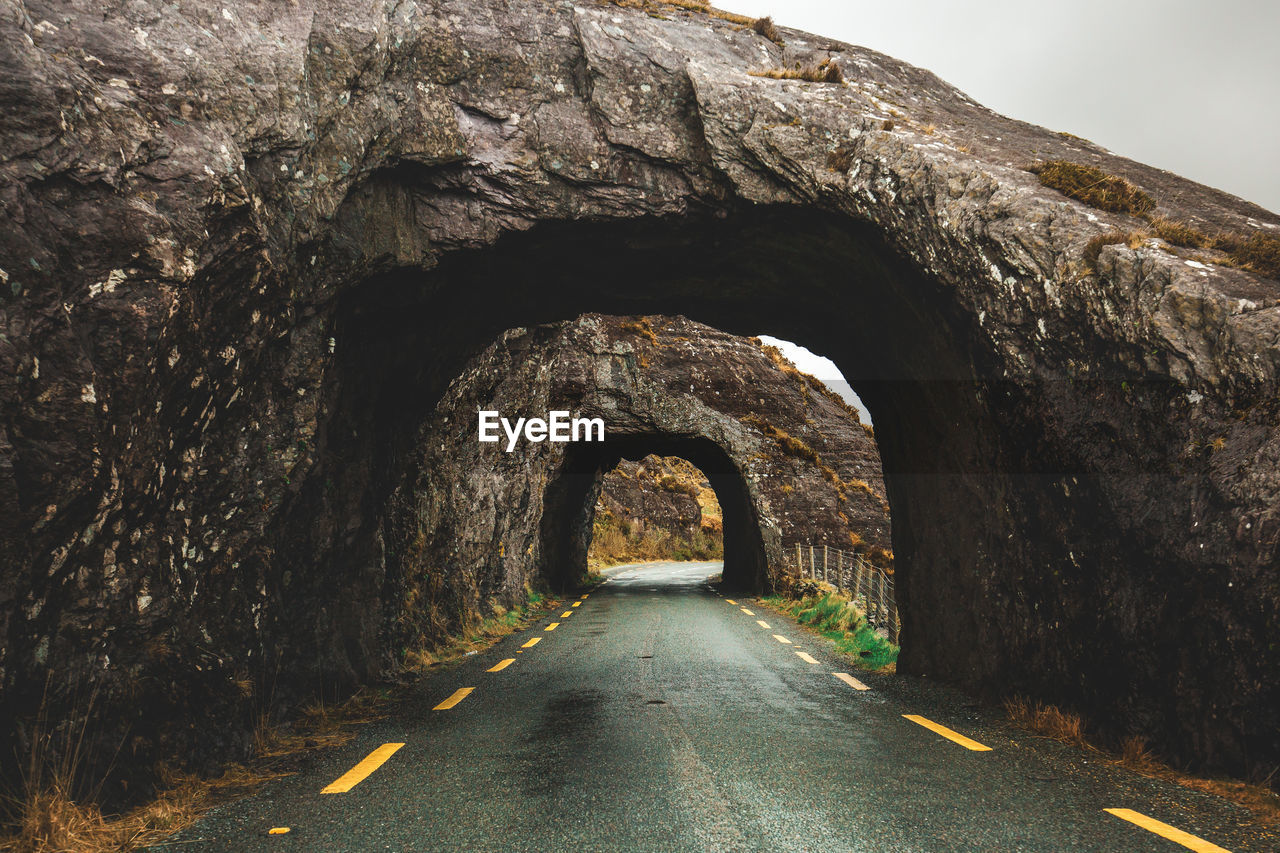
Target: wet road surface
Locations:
point(658, 716)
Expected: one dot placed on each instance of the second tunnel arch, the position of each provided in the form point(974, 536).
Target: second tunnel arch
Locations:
point(569, 506)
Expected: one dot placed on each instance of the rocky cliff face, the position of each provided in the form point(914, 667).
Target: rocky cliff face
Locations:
point(248, 248)
point(657, 492)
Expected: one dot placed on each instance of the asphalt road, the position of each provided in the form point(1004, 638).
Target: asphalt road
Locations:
point(659, 716)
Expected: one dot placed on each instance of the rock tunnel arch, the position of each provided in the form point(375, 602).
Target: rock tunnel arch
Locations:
point(1079, 436)
point(569, 506)
point(1010, 543)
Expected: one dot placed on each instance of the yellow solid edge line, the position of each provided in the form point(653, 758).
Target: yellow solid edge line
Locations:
point(763, 624)
point(553, 626)
point(531, 643)
point(806, 657)
point(851, 681)
point(746, 611)
point(566, 614)
point(947, 733)
point(576, 604)
point(501, 665)
point(1163, 830)
point(367, 765)
point(277, 830)
point(458, 695)
point(731, 601)
point(781, 639)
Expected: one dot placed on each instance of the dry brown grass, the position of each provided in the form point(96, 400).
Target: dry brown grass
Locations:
point(827, 71)
point(1094, 187)
point(839, 160)
point(767, 28)
point(1052, 722)
point(1046, 720)
point(653, 6)
point(641, 327)
point(787, 443)
point(1092, 249)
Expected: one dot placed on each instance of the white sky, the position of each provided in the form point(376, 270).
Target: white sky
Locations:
point(1188, 86)
point(820, 368)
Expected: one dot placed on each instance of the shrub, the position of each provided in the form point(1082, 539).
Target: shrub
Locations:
point(1094, 187)
point(765, 27)
point(827, 71)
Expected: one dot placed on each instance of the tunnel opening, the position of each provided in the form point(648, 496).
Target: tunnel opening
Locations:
point(571, 499)
point(656, 508)
point(1013, 534)
point(955, 436)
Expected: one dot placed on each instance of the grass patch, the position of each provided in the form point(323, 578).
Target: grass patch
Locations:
point(835, 617)
point(481, 635)
point(55, 814)
point(1052, 722)
point(1094, 187)
point(614, 542)
point(827, 71)
point(767, 28)
point(642, 328)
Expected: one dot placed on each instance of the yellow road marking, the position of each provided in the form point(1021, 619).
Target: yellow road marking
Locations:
point(458, 695)
point(531, 643)
point(553, 626)
point(806, 657)
point(367, 765)
point(501, 665)
point(947, 733)
point(763, 624)
point(746, 611)
point(731, 601)
point(1163, 830)
point(277, 830)
point(781, 639)
point(566, 614)
point(576, 604)
point(584, 598)
point(851, 681)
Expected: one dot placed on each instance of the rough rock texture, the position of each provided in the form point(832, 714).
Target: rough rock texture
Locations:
point(480, 523)
point(246, 248)
point(647, 495)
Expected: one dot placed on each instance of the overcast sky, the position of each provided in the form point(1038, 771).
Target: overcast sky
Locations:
point(1186, 86)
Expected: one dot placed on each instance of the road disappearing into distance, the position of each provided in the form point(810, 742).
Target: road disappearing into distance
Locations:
point(656, 713)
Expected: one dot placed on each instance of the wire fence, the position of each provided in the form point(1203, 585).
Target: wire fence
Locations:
point(869, 587)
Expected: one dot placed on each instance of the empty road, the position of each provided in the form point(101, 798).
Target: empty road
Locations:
point(655, 715)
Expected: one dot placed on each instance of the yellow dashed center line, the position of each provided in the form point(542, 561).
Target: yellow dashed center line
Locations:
point(781, 639)
point(566, 614)
point(806, 657)
point(1163, 830)
point(583, 598)
point(367, 765)
point(731, 601)
point(763, 624)
point(458, 695)
point(851, 681)
point(746, 611)
point(277, 830)
point(553, 626)
point(532, 643)
point(577, 604)
point(947, 733)
point(501, 665)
